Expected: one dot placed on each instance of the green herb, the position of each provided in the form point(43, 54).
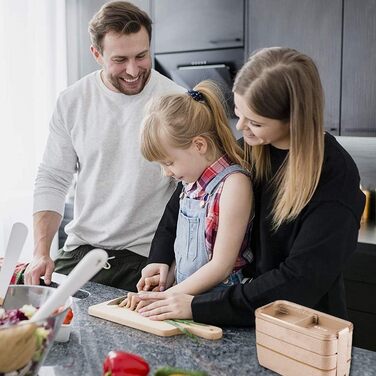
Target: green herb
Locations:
point(167, 371)
point(177, 323)
point(188, 322)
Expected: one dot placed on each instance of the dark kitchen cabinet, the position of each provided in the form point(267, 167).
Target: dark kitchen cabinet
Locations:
point(181, 25)
point(312, 27)
point(360, 283)
point(358, 114)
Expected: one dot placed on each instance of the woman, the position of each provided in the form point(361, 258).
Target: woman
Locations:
point(307, 201)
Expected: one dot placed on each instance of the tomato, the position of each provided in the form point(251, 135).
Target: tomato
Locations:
point(68, 318)
point(119, 363)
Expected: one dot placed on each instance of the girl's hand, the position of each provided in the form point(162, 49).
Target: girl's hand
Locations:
point(130, 302)
point(165, 306)
point(133, 302)
point(153, 276)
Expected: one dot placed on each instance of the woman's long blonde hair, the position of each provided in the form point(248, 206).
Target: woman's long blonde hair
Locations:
point(178, 118)
point(283, 84)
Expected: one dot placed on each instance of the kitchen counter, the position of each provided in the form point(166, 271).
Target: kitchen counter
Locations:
point(367, 233)
point(92, 338)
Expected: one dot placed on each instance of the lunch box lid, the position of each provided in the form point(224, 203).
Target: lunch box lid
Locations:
point(304, 320)
point(309, 338)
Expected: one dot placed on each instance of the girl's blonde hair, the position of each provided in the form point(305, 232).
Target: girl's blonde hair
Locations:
point(178, 118)
point(283, 84)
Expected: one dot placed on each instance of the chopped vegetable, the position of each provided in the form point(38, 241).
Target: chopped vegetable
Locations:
point(28, 310)
point(68, 318)
point(12, 317)
point(22, 346)
point(119, 363)
point(41, 335)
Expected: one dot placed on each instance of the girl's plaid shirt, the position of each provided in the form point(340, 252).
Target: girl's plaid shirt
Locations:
point(197, 191)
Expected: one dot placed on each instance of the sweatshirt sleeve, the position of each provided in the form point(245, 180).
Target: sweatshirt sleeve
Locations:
point(58, 165)
point(162, 246)
point(317, 258)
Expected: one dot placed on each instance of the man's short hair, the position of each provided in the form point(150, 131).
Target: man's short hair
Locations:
point(120, 17)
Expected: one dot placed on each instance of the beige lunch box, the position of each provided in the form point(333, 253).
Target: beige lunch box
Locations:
point(294, 340)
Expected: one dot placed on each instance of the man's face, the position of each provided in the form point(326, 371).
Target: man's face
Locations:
point(126, 61)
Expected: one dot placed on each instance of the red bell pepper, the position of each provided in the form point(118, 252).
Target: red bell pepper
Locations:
point(68, 317)
point(119, 363)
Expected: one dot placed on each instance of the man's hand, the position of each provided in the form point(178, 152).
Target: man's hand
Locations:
point(46, 224)
point(39, 266)
point(153, 276)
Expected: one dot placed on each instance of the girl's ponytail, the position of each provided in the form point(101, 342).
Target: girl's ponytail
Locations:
point(178, 118)
point(223, 139)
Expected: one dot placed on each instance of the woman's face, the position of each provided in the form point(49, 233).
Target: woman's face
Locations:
point(259, 130)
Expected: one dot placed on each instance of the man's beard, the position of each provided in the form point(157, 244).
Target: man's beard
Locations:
point(129, 88)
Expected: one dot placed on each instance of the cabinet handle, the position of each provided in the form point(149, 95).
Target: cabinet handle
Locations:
point(218, 41)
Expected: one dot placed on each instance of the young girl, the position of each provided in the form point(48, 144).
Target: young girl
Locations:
point(188, 135)
point(307, 199)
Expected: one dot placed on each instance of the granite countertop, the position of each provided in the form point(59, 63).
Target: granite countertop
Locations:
point(92, 338)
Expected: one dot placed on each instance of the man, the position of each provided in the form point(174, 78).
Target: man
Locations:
point(94, 131)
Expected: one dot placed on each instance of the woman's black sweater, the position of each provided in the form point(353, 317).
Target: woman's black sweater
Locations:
point(302, 261)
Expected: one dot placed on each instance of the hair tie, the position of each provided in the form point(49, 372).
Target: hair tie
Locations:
point(196, 95)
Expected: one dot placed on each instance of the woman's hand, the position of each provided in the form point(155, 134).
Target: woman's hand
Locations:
point(166, 305)
point(153, 276)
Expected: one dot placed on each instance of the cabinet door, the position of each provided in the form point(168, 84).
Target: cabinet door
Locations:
point(312, 27)
point(359, 69)
point(182, 25)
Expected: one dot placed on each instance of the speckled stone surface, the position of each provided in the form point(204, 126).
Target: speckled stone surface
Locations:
point(92, 338)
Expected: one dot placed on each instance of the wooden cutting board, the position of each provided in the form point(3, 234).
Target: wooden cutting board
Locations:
point(112, 312)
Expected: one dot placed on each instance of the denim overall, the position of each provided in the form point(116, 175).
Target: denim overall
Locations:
point(190, 247)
